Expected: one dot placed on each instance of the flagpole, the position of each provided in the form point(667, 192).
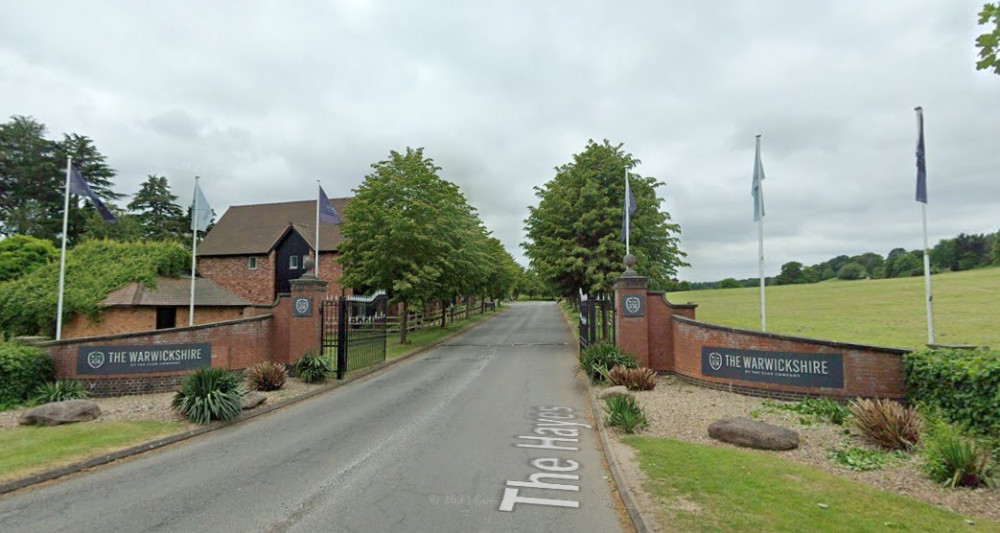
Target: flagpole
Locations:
point(760, 241)
point(628, 222)
point(194, 248)
point(929, 298)
point(62, 256)
point(316, 248)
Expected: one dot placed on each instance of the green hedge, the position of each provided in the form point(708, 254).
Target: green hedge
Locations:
point(964, 385)
point(22, 368)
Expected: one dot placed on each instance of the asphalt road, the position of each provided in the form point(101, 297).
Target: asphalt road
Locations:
point(486, 433)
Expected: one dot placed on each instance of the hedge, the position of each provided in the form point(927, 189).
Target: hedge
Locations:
point(964, 385)
point(22, 368)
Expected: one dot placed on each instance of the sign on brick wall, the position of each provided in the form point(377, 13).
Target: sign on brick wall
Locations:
point(136, 359)
point(785, 368)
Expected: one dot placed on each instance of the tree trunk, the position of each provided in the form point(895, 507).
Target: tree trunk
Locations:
point(444, 315)
point(404, 323)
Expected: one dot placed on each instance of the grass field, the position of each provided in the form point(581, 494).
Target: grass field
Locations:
point(887, 312)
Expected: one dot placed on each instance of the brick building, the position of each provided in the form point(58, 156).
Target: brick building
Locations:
point(254, 250)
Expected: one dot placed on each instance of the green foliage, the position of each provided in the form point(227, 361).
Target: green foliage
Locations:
point(638, 379)
point(157, 212)
point(93, 269)
point(863, 459)
point(989, 43)
point(729, 283)
point(963, 385)
point(22, 369)
point(210, 394)
point(886, 423)
point(20, 254)
point(624, 412)
point(851, 271)
point(266, 376)
point(826, 409)
point(59, 391)
point(954, 459)
point(574, 234)
point(601, 357)
point(312, 368)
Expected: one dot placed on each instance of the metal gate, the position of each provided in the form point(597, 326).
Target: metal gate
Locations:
point(597, 320)
point(354, 331)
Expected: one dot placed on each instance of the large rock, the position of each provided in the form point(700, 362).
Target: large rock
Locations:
point(753, 434)
point(618, 390)
point(252, 399)
point(68, 412)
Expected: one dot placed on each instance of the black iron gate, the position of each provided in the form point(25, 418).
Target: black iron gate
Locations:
point(597, 320)
point(354, 331)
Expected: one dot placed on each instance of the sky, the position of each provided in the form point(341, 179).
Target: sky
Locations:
point(261, 99)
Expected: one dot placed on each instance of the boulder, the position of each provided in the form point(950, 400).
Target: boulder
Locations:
point(252, 399)
point(753, 434)
point(618, 390)
point(68, 412)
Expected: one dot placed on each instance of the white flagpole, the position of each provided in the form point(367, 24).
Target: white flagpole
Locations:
point(194, 248)
point(927, 261)
point(760, 240)
point(628, 228)
point(62, 256)
point(316, 247)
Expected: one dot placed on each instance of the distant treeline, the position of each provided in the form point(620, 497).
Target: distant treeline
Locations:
point(964, 252)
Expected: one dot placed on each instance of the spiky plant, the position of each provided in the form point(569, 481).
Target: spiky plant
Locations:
point(313, 368)
point(210, 394)
point(886, 424)
point(59, 391)
point(624, 412)
point(266, 376)
point(598, 359)
point(637, 379)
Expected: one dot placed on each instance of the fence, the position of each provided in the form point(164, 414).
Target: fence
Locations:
point(597, 320)
point(354, 331)
point(430, 315)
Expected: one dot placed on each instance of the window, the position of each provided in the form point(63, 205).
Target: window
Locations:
point(166, 317)
point(253, 263)
point(293, 262)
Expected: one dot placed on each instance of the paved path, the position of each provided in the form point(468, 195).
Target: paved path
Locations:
point(485, 433)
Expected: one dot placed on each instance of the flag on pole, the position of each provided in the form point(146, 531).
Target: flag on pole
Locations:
point(326, 211)
point(201, 212)
point(921, 164)
point(756, 191)
point(80, 187)
point(630, 208)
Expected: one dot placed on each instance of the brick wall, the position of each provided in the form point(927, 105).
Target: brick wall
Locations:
point(234, 274)
point(330, 271)
point(121, 320)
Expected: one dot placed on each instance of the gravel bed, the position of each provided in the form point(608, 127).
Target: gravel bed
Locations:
point(681, 411)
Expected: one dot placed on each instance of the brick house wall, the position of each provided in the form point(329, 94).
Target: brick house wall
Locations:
point(121, 320)
point(234, 274)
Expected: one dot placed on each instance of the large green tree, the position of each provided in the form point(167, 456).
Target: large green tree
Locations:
point(157, 211)
point(20, 254)
point(989, 42)
point(574, 234)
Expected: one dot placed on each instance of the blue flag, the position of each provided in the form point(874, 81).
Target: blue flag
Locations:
point(201, 216)
point(629, 210)
point(756, 191)
point(326, 211)
point(80, 187)
point(921, 164)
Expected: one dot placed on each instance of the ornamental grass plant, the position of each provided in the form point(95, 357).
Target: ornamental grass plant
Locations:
point(59, 391)
point(886, 424)
point(312, 368)
point(210, 394)
point(598, 359)
point(266, 376)
point(624, 411)
point(637, 379)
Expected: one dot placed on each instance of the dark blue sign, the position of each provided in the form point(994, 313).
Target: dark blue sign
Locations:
point(302, 306)
point(824, 370)
point(103, 360)
point(634, 305)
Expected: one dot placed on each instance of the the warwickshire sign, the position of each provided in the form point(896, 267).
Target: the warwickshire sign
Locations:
point(785, 368)
point(142, 359)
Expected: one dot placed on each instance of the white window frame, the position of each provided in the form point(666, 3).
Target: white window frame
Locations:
point(252, 262)
point(293, 262)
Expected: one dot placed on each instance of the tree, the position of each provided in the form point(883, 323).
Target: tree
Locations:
point(791, 273)
point(851, 271)
point(574, 234)
point(20, 254)
point(157, 211)
point(729, 283)
point(989, 43)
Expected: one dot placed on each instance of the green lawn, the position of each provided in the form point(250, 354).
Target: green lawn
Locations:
point(888, 312)
point(29, 450)
point(706, 488)
point(426, 336)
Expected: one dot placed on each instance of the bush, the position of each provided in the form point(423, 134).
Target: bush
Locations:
point(601, 357)
point(313, 368)
point(886, 423)
point(266, 376)
point(59, 391)
point(826, 409)
point(632, 378)
point(963, 385)
point(624, 412)
point(22, 369)
point(210, 394)
point(954, 459)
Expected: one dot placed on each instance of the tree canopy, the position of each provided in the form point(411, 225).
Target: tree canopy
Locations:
point(157, 211)
point(21, 254)
point(989, 42)
point(574, 234)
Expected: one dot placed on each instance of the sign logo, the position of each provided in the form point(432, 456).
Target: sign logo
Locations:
point(302, 305)
point(95, 360)
point(715, 360)
point(633, 304)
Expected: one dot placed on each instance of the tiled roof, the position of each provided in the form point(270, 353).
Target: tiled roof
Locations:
point(174, 292)
point(256, 229)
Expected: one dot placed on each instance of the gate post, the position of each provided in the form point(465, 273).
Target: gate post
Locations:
point(631, 321)
point(306, 330)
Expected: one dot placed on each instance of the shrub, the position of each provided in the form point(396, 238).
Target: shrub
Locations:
point(210, 394)
point(963, 385)
point(59, 391)
point(826, 409)
point(624, 412)
point(22, 369)
point(266, 376)
point(632, 378)
point(954, 459)
point(601, 357)
point(886, 423)
point(313, 368)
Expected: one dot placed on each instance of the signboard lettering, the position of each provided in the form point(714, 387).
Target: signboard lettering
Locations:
point(785, 368)
point(102, 360)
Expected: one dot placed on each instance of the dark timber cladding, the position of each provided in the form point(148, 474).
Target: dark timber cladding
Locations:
point(290, 255)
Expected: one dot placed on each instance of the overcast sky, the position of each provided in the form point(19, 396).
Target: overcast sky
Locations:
point(261, 99)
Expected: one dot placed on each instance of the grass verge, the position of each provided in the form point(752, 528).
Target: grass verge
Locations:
point(424, 337)
point(29, 450)
point(705, 488)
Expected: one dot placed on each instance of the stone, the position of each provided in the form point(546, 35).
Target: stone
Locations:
point(252, 399)
point(742, 431)
point(56, 413)
point(618, 390)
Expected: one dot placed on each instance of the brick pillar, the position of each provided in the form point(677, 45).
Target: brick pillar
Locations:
point(631, 313)
point(307, 295)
